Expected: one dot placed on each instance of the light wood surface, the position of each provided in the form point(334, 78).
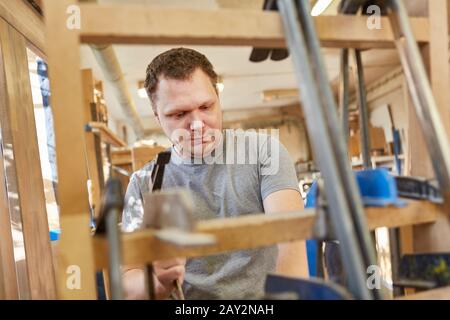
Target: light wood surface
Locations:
point(75, 244)
point(257, 28)
point(252, 231)
point(19, 129)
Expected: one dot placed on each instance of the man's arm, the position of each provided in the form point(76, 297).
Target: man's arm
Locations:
point(292, 258)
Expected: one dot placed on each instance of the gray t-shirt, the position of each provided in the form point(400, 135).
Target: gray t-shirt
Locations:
point(233, 181)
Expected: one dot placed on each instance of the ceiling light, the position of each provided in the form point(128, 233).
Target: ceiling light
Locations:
point(320, 7)
point(142, 93)
point(220, 86)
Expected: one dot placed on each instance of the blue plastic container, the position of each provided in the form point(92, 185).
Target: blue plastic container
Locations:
point(377, 188)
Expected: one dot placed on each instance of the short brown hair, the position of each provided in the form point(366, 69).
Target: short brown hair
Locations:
point(177, 63)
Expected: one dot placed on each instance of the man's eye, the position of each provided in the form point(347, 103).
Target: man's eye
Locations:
point(205, 107)
point(179, 115)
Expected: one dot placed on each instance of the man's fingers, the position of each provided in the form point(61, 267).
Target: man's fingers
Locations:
point(168, 276)
point(166, 272)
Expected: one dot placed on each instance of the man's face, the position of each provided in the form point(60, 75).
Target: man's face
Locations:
point(189, 113)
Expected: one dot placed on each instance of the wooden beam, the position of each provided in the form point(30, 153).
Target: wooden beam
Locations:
point(275, 94)
point(439, 63)
point(75, 248)
point(121, 157)
point(19, 128)
point(406, 233)
point(163, 25)
point(92, 149)
point(434, 294)
point(252, 231)
point(26, 21)
point(436, 237)
point(142, 155)
point(239, 4)
point(8, 275)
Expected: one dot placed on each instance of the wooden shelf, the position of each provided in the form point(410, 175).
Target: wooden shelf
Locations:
point(434, 294)
point(245, 232)
point(121, 157)
point(142, 155)
point(376, 160)
point(106, 134)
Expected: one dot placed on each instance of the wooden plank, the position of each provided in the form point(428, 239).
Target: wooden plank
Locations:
point(142, 155)
point(435, 238)
point(8, 275)
point(140, 24)
point(274, 94)
point(13, 198)
point(75, 249)
point(253, 231)
point(434, 294)
point(239, 4)
point(439, 63)
point(2, 277)
point(106, 134)
point(121, 157)
point(94, 175)
point(18, 112)
point(26, 21)
point(406, 233)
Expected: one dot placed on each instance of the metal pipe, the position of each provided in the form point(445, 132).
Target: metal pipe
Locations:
point(107, 60)
point(323, 149)
point(115, 253)
point(344, 93)
point(349, 186)
point(363, 112)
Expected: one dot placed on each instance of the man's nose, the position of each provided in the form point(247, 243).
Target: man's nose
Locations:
point(196, 123)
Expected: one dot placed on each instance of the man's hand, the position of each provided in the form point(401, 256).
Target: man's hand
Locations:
point(164, 275)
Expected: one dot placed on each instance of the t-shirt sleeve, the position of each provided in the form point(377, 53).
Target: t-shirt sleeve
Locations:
point(133, 210)
point(277, 171)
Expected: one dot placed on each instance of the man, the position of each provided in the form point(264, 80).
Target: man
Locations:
point(181, 84)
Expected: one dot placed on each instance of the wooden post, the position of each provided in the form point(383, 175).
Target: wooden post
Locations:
point(76, 274)
point(93, 152)
point(439, 60)
point(19, 133)
point(8, 275)
point(436, 237)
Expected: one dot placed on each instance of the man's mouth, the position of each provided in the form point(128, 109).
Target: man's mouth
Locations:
point(201, 140)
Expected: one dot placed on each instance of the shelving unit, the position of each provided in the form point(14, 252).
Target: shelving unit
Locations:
point(378, 161)
point(174, 26)
point(187, 26)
